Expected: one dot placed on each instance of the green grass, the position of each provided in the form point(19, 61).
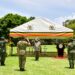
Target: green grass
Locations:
point(46, 48)
point(45, 66)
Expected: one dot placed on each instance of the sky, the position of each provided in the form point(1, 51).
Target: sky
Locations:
point(55, 10)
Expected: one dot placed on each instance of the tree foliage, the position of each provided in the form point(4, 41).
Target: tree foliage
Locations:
point(10, 21)
point(70, 24)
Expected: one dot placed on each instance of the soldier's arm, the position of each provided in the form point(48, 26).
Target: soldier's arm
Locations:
point(6, 40)
point(27, 43)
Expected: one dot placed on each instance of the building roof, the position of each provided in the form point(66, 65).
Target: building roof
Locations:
point(40, 25)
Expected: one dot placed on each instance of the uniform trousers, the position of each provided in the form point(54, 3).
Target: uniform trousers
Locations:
point(71, 58)
point(22, 61)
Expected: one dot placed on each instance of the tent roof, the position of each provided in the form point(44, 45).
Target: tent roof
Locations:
point(40, 25)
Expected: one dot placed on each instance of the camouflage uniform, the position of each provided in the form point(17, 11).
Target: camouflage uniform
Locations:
point(37, 47)
point(21, 50)
point(2, 50)
point(71, 53)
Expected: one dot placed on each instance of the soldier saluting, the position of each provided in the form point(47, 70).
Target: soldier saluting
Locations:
point(21, 51)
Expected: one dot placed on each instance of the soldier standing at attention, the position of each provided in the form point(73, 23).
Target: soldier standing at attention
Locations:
point(2, 50)
point(71, 53)
point(37, 47)
point(21, 51)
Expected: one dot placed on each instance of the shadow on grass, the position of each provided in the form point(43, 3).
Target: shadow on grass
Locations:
point(67, 67)
point(19, 70)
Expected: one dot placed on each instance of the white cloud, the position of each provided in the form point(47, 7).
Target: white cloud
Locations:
point(68, 3)
point(44, 8)
point(46, 1)
point(62, 19)
point(4, 11)
point(24, 2)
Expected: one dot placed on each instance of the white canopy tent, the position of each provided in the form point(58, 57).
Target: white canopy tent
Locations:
point(41, 27)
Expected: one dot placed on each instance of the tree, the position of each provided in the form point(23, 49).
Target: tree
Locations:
point(70, 24)
point(10, 21)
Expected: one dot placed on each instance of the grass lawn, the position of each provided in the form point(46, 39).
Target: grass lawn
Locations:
point(45, 65)
point(46, 48)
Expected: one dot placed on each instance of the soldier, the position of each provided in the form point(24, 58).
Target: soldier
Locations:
point(37, 48)
point(21, 51)
point(2, 50)
point(71, 53)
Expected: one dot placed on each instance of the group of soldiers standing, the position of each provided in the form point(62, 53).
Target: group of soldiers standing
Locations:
point(70, 51)
point(60, 47)
point(21, 51)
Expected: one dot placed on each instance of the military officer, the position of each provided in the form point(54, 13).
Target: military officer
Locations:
point(2, 50)
point(37, 47)
point(21, 51)
point(71, 53)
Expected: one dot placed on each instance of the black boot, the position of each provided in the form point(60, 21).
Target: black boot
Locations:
point(2, 64)
point(72, 66)
point(22, 69)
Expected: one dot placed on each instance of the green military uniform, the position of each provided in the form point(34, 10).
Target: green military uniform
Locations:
point(2, 51)
point(21, 45)
point(71, 53)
